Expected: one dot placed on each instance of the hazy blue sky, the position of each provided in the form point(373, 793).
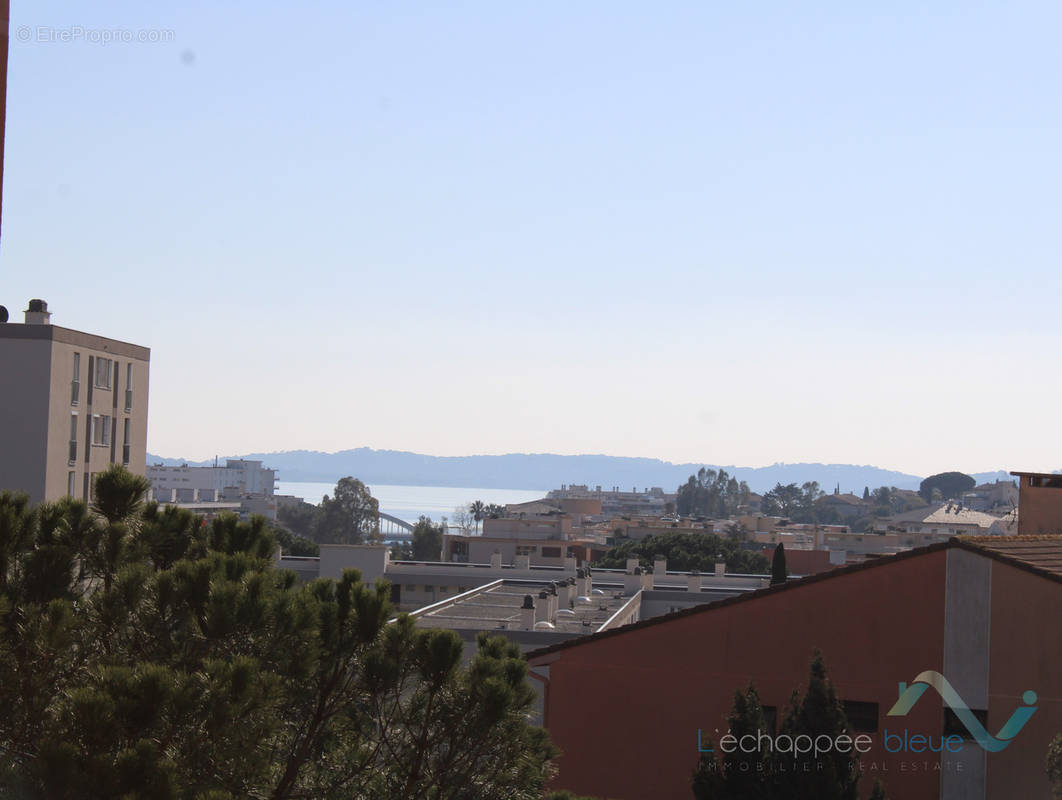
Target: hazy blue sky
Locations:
point(727, 232)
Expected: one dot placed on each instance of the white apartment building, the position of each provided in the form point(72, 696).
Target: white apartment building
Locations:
point(186, 484)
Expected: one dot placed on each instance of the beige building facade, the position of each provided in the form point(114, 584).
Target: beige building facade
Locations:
point(73, 403)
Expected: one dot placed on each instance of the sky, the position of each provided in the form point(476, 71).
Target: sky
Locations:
point(730, 233)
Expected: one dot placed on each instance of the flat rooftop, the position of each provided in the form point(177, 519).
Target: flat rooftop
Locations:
point(498, 608)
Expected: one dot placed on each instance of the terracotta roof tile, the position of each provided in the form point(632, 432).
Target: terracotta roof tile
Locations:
point(1040, 552)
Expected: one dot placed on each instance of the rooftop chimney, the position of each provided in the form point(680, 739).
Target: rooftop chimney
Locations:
point(694, 581)
point(37, 313)
point(527, 613)
point(632, 581)
point(542, 605)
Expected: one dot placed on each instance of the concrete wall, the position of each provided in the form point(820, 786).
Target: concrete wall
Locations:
point(93, 458)
point(1039, 508)
point(370, 559)
point(24, 405)
point(1026, 651)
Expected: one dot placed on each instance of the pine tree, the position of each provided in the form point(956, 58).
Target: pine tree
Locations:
point(739, 775)
point(833, 775)
point(779, 573)
point(144, 653)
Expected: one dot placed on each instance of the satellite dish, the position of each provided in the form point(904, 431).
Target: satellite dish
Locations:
point(3, 314)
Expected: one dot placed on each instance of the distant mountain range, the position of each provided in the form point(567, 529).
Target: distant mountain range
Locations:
point(547, 471)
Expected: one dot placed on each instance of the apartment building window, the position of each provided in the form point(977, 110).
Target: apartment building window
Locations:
point(953, 726)
point(125, 441)
point(75, 383)
point(770, 716)
point(129, 387)
point(551, 552)
point(103, 372)
point(70, 483)
point(92, 485)
point(101, 429)
point(525, 550)
point(862, 717)
point(72, 457)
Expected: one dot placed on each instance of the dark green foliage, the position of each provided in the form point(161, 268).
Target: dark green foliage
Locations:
point(146, 654)
point(779, 572)
point(427, 540)
point(711, 494)
point(301, 519)
point(950, 484)
point(478, 510)
point(294, 545)
point(687, 551)
point(564, 794)
point(769, 775)
point(1054, 766)
point(818, 713)
point(741, 775)
point(425, 544)
point(352, 516)
point(795, 502)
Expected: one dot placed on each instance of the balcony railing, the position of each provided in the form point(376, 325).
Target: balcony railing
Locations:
point(73, 452)
point(75, 391)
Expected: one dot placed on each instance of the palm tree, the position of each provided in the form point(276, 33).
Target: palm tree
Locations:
point(477, 509)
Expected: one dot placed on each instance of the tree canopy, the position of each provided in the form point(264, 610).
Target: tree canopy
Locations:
point(350, 516)
point(951, 485)
point(767, 773)
point(686, 551)
point(425, 545)
point(147, 654)
point(711, 493)
point(795, 502)
point(779, 571)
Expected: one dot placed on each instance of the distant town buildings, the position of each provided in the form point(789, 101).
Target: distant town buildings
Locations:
point(73, 404)
point(615, 501)
point(241, 486)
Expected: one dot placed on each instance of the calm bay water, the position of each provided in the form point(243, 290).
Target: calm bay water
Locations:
point(411, 502)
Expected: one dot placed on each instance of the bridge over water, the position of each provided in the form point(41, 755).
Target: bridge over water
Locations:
point(394, 529)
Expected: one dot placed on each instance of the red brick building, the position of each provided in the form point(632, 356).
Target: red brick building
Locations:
point(625, 706)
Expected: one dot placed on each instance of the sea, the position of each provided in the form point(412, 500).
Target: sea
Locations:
point(410, 503)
